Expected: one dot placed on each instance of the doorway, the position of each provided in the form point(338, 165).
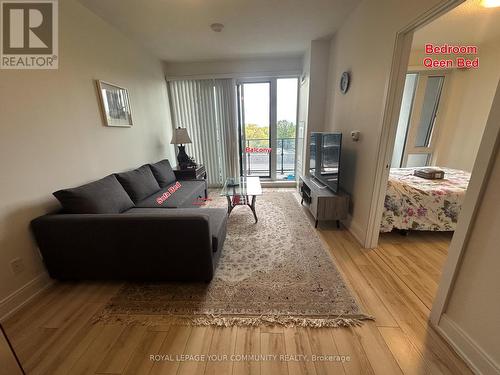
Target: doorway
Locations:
point(267, 118)
point(447, 152)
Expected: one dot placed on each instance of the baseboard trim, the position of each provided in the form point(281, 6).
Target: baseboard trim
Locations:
point(355, 231)
point(13, 302)
point(479, 362)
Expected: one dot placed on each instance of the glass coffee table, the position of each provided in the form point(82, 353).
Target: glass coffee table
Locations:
point(238, 191)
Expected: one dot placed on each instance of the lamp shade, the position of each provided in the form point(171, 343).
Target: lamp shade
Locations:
point(180, 136)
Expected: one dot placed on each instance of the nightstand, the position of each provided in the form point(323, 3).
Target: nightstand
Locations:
point(196, 173)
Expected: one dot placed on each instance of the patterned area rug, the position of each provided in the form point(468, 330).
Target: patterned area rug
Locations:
point(274, 272)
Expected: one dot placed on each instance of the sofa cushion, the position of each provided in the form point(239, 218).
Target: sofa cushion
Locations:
point(139, 183)
point(184, 197)
point(163, 173)
point(104, 196)
point(217, 220)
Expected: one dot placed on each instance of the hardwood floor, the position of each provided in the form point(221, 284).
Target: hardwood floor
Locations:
point(395, 282)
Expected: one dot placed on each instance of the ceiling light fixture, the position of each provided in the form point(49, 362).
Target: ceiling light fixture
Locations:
point(217, 27)
point(490, 3)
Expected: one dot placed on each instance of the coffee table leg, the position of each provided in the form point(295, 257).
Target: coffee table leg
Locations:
point(229, 205)
point(253, 207)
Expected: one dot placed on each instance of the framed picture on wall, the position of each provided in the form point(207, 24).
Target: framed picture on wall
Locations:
point(115, 104)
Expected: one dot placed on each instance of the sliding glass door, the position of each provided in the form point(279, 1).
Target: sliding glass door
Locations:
point(268, 121)
point(286, 127)
point(255, 128)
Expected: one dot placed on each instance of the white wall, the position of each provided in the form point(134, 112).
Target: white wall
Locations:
point(320, 54)
point(474, 304)
point(465, 108)
point(312, 97)
point(234, 68)
point(364, 46)
point(52, 135)
point(303, 104)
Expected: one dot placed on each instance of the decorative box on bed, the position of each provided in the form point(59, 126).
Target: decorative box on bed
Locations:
point(415, 203)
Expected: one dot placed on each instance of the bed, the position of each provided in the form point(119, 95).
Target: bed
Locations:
point(414, 203)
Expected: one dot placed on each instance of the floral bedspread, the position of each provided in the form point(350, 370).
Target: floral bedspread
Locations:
point(416, 203)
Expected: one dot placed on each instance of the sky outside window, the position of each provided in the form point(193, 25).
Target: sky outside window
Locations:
point(257, 102)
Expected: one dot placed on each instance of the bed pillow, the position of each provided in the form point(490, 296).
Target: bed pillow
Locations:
point(163, 173)
point(104, 196)
point(139, 183)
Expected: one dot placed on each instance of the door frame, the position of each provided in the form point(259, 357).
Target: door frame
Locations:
point(392, 107)
point(480, 173)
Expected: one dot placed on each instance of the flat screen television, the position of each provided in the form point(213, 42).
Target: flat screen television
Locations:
point(324, 161)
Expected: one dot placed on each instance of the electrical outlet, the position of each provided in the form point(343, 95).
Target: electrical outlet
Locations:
point(355, 134)
point(17, 265)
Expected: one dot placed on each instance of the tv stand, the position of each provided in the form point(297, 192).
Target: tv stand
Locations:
point(323, 203)
point(318, 184)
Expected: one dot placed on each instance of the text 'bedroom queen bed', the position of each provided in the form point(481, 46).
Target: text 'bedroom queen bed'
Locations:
point(415, 203)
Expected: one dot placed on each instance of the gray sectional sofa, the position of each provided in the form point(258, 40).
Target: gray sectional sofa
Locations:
point(117, 228)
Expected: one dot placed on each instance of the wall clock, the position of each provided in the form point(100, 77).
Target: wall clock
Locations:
point(344, 82)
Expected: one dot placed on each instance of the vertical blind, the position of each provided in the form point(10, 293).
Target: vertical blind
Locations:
point(207, 109)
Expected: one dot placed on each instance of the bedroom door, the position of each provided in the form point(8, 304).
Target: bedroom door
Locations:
point(418, 129)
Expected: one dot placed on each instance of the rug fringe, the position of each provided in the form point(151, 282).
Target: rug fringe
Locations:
point(285, 321)
point(238, 321)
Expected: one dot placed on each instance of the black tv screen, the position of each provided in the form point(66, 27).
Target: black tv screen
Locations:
point(324, 161)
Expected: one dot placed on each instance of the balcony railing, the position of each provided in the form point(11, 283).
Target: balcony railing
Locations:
point(258, 163)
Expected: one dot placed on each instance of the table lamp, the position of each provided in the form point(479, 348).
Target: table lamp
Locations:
point(180, 138)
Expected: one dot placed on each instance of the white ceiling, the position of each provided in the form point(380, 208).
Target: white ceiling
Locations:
point(469, 23)
point(179, 30)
